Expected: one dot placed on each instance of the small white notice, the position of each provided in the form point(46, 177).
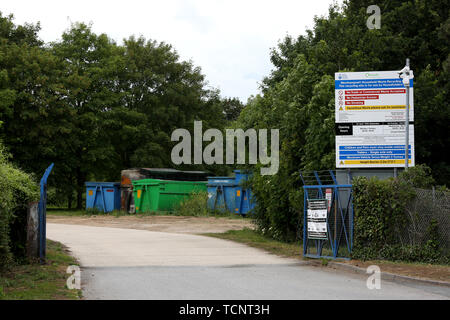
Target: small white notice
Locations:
point(317, 219)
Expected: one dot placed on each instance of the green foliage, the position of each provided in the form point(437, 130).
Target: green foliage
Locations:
point(298, 95)
point(194, 205)
point(418, 177)
point(94, 211)
point(94, 107)
point(380, 216)
point(253, 238)
point(277, 213)
point(18, 189)
point(232, 108)
point(34, 281)
point(56, 198)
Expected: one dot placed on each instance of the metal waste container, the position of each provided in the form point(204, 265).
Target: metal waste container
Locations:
point(221, 194)
point(163, 195)
point(105, 196)
point(229, 194)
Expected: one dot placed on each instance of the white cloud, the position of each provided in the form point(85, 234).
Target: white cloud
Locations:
point(229, 39)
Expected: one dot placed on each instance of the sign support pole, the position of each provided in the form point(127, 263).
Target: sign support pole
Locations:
point(407, 116)
point(406, 74)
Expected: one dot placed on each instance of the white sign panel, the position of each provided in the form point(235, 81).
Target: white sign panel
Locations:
point(317, 219)
point(317, 230)
point(370, 120)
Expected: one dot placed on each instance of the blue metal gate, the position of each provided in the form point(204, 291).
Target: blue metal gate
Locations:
point(328, 207)
point(42, 212)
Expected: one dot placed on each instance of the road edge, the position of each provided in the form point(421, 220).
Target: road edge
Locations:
point(384, 275)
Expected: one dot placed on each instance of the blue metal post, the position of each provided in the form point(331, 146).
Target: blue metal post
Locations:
point(351, 221)
point(320, 183)
point(333, 177)
point(342, 230)
point(305, 216)
point(42, 208)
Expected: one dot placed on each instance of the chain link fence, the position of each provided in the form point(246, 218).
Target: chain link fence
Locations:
point(428, 218)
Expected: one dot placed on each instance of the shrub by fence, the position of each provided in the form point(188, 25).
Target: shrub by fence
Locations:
point(394, 220)
point(194, 205)
point(17, 190)
point(279, 205)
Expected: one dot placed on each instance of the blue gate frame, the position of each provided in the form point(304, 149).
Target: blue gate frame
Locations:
point(42, 212)
point(341, 235)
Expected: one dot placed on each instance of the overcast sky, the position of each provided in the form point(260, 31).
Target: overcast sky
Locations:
point(230, 40)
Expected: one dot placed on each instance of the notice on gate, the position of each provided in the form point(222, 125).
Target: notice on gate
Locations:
point(370, 120)
point(317, 219)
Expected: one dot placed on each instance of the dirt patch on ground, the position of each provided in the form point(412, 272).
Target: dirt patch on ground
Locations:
point(173, 224)
point(425, 271)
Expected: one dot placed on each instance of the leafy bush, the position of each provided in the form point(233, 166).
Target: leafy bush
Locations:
point(418, 177)
point(380, 216)
point(18, 189)
point(194, 205)
point(56, 198)
point(279, 206)
point(94, 211)
point(298, 96)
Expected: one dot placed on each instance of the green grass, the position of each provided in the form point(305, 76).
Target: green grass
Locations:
point(118, 213)
point(76, 212)
point(40, 282)
point(255, 239)
point(66, 212)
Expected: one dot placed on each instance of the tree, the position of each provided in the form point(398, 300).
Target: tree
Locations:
point(298, 95)
point(33, 121)
point(160, 94)
point(93, 107)
point(90, 80)
point(232, 108)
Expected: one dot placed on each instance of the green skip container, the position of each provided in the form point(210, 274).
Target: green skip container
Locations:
point(163, 195)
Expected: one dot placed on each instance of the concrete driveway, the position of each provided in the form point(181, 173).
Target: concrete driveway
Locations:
point(138, 264)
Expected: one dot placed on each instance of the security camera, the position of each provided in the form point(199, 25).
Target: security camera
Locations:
point(405, 70)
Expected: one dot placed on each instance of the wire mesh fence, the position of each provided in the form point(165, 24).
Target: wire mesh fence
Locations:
point(427, 218)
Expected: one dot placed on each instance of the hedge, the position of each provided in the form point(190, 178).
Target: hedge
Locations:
point(380, 216)
point(17, 190)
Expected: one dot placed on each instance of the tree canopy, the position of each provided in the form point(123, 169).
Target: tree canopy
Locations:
point(298, 95)
point(94, 107)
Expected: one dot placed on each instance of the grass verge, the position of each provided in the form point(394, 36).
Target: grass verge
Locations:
point(40, 282)
point(66, 212)
point(410, 269)
point(252, 238)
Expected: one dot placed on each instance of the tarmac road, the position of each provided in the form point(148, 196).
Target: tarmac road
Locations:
point(138, 264)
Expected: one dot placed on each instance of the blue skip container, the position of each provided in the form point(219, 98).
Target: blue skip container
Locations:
point(105, 196)
point(228, 194)
point(221, 193)
point(244, 202)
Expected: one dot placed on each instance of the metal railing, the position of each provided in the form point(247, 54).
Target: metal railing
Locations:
point(327, 203)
